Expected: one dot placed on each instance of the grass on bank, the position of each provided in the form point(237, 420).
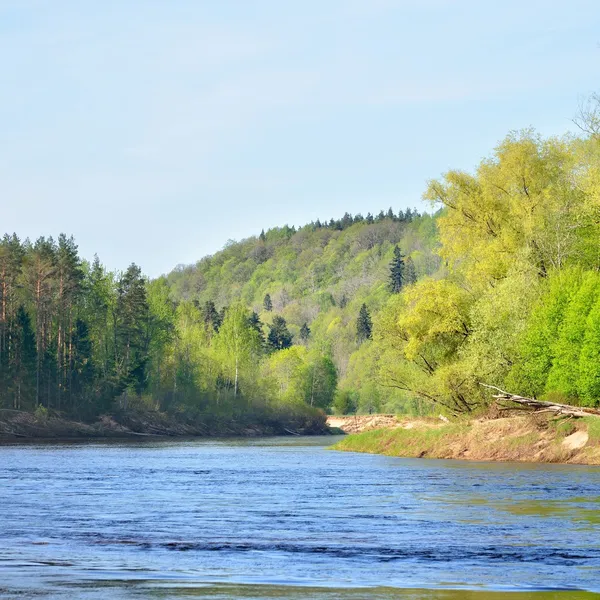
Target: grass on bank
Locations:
point(536, 438)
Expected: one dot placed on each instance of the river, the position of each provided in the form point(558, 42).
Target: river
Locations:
point(288, 518)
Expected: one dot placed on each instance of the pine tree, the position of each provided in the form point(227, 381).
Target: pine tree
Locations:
point(69, 275)
point(39, 277)
point(268, 303)
point(130, 330)
point(410, 272)
point(279, 337)
point(11, 258)
point(210, 316)
point(370, 220)
point(22, 372)
point(397, 271)
point(262, 237)
point(364, 325)
point(304, 332)
point(81, 375)
point(256, 324)
point(347, 221)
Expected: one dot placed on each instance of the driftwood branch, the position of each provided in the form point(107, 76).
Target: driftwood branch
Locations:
point(503, 397)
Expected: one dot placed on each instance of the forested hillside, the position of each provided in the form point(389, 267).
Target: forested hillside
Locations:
point(314, 281)
point(263, 328)
point(500, 286)
point(401, 312)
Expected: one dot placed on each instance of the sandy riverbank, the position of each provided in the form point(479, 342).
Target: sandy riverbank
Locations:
point(530, 438)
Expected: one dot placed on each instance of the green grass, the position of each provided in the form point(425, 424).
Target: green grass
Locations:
point(593, 428)
point(490, 440)
point(404, 442)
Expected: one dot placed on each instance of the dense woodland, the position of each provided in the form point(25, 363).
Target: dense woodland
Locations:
point(401, 311)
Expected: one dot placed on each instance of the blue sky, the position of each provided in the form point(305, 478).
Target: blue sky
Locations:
point(156, 130)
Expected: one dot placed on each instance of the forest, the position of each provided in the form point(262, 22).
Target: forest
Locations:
point(405, 312)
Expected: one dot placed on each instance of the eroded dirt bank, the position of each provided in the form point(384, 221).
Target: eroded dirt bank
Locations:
point(18, 425)
point(531, 438)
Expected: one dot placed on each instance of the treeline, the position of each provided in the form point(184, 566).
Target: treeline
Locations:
point(83, 341)
point(403, 216)
point(517, 304)
point(72, 336)
point(401, 312)
point(326, 283)
point(500, 284)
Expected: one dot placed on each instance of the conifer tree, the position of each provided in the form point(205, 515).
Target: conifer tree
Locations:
point(304, 332)
point(23, 362)
point(69, 275)
point(81, 372)
point(410, 272)
point(130, 330)
point(256, 324)
point(279, 337)
point(364, 325)
point(262, 237)
point(210, 316)
point(397, 271)
point(268, 303)
point(346, 221)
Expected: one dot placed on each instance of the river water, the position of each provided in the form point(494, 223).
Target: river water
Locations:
point(288, 518)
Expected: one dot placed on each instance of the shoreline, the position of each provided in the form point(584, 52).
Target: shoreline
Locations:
point(531, 438)
point(23, 427)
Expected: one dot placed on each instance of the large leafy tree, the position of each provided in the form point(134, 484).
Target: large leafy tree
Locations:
point(238, 345)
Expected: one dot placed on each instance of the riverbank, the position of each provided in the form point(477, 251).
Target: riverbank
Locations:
point(530, 438)
point(18, 425)
point(360, 423)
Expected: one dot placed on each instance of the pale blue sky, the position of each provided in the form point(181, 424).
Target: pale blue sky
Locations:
point(155, 130)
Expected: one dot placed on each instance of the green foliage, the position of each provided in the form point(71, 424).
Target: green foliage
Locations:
point(364, 325)
point(344, 402)
point(499, 286)
point(41, 414)
point(267, 302)
point(564, 373)
point(588, 371)
point(279, 337)
point(536, 349)
point(304, 332)
point(397, 271)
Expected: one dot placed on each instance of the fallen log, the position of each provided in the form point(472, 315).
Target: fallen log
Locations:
point(541, 406)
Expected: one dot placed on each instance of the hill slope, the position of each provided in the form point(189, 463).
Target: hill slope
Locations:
point(318, 276)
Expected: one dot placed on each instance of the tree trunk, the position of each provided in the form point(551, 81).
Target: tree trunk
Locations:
point(235, 387)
